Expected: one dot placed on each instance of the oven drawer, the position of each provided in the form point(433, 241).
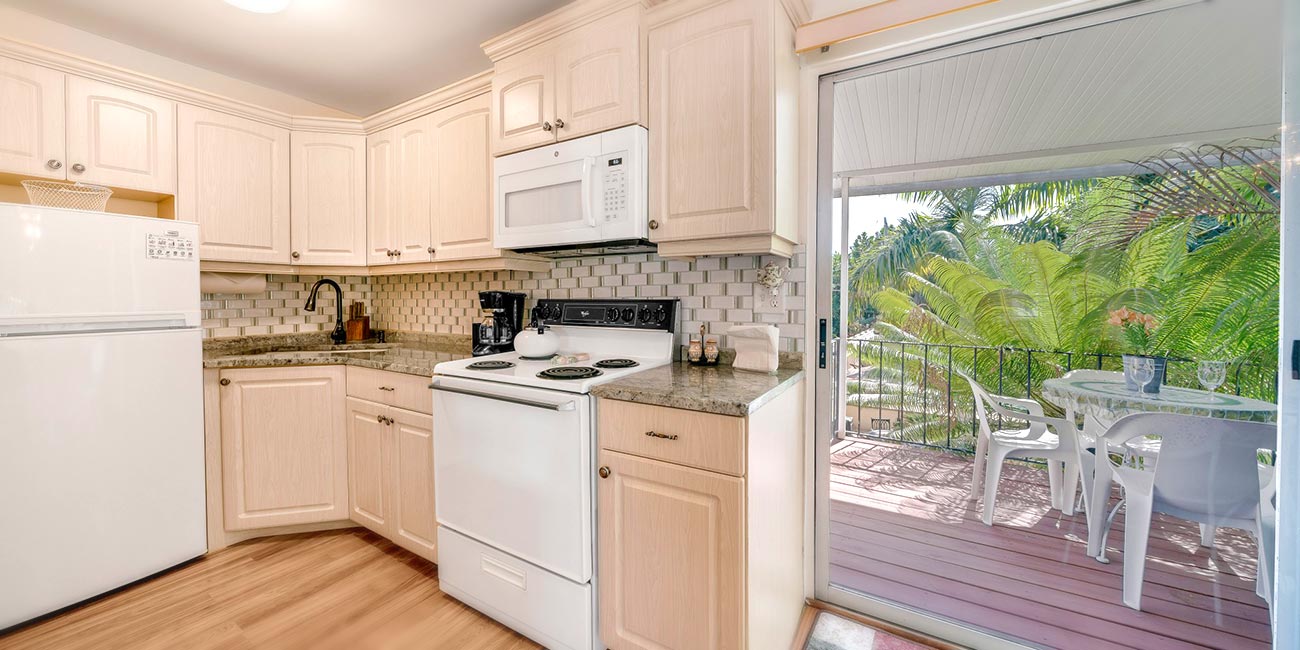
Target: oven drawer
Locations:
point(410, 392)
point(704, 440)
point(537, 603)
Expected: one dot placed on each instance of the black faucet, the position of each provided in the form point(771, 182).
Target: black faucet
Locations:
point(339, 335)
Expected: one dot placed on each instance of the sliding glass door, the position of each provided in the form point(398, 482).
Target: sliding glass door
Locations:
point(999, 226)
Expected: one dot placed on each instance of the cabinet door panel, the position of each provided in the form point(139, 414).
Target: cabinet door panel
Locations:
point(329, 199)
point(369, 460)
point(381, 190)
point(462, 181)
point(234, 181)
point(415, 524)
point(124, 138)
point(283, 447)
point(523, 96)
point(671, 555)
point(411, 210)
point(598, 76)
point(31, 120)
point(710, 124)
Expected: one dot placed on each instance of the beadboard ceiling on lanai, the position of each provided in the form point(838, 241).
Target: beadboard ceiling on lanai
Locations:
point(1087, 99)
point(358, 56)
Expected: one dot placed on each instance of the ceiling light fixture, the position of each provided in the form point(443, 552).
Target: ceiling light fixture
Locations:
point(260, 6)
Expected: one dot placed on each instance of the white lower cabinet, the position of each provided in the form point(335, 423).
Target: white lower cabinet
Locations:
point(283, 448)
point(390, 463)
point(321, 445)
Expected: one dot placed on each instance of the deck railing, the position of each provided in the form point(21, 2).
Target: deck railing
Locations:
point(905, 390)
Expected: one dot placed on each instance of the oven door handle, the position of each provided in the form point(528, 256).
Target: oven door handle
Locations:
point(563, 406)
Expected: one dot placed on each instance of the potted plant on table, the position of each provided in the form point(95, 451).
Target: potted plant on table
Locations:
point(1143, 369)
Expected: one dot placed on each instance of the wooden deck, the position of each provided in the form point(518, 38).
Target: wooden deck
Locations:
point(903, 529)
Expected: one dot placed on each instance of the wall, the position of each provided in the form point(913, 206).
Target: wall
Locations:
point(717, 292)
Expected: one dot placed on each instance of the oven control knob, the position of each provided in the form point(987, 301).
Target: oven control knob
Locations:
point(661, 315)
point(611, 314)
point(645, 314)
point(555, 312)
point(629, 314)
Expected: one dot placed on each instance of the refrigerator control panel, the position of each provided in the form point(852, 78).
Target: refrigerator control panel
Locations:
point(169, 246)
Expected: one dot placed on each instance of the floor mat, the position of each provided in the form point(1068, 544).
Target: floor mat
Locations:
point(832, 632)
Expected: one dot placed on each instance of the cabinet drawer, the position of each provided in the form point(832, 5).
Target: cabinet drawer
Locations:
point(410, 392)
point(704, 440)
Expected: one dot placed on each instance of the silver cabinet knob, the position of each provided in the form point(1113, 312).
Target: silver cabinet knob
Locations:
point(654, 225)
point(390, 252)
point(78, 168)
point(295, 255)
point(379, 419)
point(397, 253)
point(546, 126)
point(559, 123)
point(431, 251)
point(224, 382)
point(53, 164)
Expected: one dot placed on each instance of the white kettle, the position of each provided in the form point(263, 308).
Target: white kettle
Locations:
point(535, 342)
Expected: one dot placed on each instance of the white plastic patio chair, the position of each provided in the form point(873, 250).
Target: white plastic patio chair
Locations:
point(995, 446)
point(1206, 472)
point(1266, 529)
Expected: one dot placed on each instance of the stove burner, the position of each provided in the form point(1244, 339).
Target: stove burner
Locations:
point(616, 363)
point(490, 365)
point(569, 372)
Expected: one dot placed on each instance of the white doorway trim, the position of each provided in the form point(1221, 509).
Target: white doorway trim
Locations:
point(817, 74)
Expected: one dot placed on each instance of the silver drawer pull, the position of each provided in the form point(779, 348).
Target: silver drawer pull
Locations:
point(563, 406)
point(665, 436)
point(388, 388)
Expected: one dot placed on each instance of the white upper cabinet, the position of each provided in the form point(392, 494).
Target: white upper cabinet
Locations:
point(722, 151)
point(234, 181)
point(414, 159)
point(598, 76)
point(523, 93)
point(328, 218)
point(584, 81)
point(461, 223)
point(119, 137)
point(400, 172)
point(381, 187)
point(31, 120)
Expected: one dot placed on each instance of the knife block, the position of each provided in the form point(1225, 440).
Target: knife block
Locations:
point(358, 329)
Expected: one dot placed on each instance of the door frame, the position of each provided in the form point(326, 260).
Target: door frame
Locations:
point(910, 45)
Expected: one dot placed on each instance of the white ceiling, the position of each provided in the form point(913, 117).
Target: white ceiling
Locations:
point(358, 56)
point(1093, 97)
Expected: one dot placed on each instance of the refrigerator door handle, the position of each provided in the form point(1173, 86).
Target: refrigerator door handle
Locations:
point(54, 325)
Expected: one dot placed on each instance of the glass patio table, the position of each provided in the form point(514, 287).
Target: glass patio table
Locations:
point(1104, 397)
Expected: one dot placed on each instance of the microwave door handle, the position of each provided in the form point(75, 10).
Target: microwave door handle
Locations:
point(588, 186)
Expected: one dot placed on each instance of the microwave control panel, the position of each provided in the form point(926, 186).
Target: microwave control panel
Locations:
point(614, 181)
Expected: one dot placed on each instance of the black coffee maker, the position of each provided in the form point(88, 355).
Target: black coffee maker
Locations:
point(497, 332)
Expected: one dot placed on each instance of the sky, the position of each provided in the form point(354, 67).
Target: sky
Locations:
point(868, 213)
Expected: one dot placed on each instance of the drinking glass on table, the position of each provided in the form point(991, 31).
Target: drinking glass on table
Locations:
point(1211, 374)
point(1144, 370)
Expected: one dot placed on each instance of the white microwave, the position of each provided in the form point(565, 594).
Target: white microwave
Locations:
point(581, 193)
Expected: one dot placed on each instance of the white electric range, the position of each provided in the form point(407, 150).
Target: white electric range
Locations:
point(514, 466)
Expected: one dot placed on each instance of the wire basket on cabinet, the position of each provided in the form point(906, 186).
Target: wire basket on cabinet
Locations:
point(73, 196)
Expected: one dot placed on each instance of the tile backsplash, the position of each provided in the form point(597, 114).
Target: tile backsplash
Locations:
point(279, 310)
point(717, 292)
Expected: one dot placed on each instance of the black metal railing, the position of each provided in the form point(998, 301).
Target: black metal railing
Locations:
point(905, 390)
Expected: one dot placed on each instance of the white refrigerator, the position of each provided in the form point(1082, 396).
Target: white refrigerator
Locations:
point(101, 410)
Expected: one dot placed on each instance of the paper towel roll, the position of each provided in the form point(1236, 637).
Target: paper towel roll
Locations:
point(756, 347)
point(228, 283)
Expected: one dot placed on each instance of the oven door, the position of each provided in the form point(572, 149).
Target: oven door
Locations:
point(513, 469)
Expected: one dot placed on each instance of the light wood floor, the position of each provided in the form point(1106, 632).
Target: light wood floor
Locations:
point(902, 528)
point(338, 589)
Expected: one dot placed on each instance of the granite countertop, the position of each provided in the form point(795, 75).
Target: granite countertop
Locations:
point(412, 355)
point(718, 389)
